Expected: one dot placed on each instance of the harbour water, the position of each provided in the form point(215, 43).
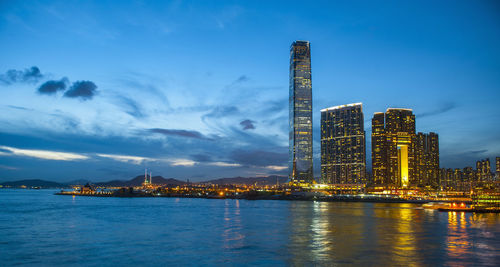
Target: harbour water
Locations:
point(42, 229)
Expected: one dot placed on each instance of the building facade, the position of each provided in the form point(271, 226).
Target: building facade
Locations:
point(427, 159)
point(300, 114)
point(343, 158)
point(393, 148)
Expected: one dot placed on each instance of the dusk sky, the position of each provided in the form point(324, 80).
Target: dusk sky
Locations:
point(198, 90)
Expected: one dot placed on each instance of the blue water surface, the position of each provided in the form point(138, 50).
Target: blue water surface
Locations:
point(38, 228)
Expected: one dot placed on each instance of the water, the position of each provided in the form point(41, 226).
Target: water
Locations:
point(39, 228)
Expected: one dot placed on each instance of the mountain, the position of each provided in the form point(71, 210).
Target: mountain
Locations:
point(269, 180)
point(33, 183)
point(137, 181)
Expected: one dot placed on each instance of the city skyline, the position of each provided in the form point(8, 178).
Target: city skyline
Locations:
point(208, 99)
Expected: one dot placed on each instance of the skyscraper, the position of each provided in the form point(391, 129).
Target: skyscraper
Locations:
point(343, 158)
point(427, 159)
point(393, 148)
point(300, 114)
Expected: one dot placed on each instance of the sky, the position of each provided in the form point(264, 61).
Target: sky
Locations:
point(101, 90)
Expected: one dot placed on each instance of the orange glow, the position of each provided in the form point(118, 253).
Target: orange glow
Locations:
point(221, 193)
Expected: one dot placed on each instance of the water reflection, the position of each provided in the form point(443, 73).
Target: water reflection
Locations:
point(388, 234)
point(233, 236)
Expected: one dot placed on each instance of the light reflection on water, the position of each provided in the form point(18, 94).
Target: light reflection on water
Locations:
point(38, 228)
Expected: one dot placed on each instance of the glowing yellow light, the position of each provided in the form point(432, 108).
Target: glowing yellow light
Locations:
point(221, 193)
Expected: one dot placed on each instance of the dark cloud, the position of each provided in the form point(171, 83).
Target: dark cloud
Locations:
point(201, 158)
point(84, 90)
point(53, 86)
point(242, 78)
point(31, 75)
point(181, 133)
point(247, 124)
point(259, 157)
point(442, 109)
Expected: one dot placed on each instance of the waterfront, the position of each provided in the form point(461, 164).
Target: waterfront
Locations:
point(39, 228)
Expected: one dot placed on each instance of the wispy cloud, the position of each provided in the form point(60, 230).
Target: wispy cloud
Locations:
point(41, 154)
point(137, 160)
point(224, 164)
point(127, 159)
point(181, 133)
point(441, 109)
point(276, 168)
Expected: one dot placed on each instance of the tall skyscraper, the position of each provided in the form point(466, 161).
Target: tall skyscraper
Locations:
point(343, 158)
point(300, 114)
point(427, 159)
point(393, 148)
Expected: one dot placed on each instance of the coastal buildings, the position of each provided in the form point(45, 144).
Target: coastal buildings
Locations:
point(393, 156)
point(427, 159)
point(343, 159)
point(300, 114)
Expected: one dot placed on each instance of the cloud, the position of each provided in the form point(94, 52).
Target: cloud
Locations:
point(31, 75)
point(41, 154)
point(221, 111)
point(201, 157)
point(442, 109)
point(181, 162)
point(276, 168)
point(259, 158)
point(247, 124)
point(10, 168)
point(137, 160)
point(53, 86)
point(131, 107)
point(224, 164)
point(181, 133)
point(127, 159)
point(82, 89)
point(242, 78)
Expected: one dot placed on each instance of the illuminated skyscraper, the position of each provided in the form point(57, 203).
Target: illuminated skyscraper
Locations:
point(343, 159)
point(379, 150)
point(300, 114)
point(427, 159)
point(393, 148)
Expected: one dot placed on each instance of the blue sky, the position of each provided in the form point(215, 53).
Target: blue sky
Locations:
point(199, 89)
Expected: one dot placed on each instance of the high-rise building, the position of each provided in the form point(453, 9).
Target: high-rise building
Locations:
point(393, 156)
point(483, 168)
point(343, 159)
point(300, 114)
point(427, 159)
point(497, 174)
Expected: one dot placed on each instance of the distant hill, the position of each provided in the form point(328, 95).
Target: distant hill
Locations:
point(137, 181)
point(33, 183)
point(269, 180)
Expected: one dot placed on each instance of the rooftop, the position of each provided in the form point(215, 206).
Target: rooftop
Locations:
point(343, 106)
